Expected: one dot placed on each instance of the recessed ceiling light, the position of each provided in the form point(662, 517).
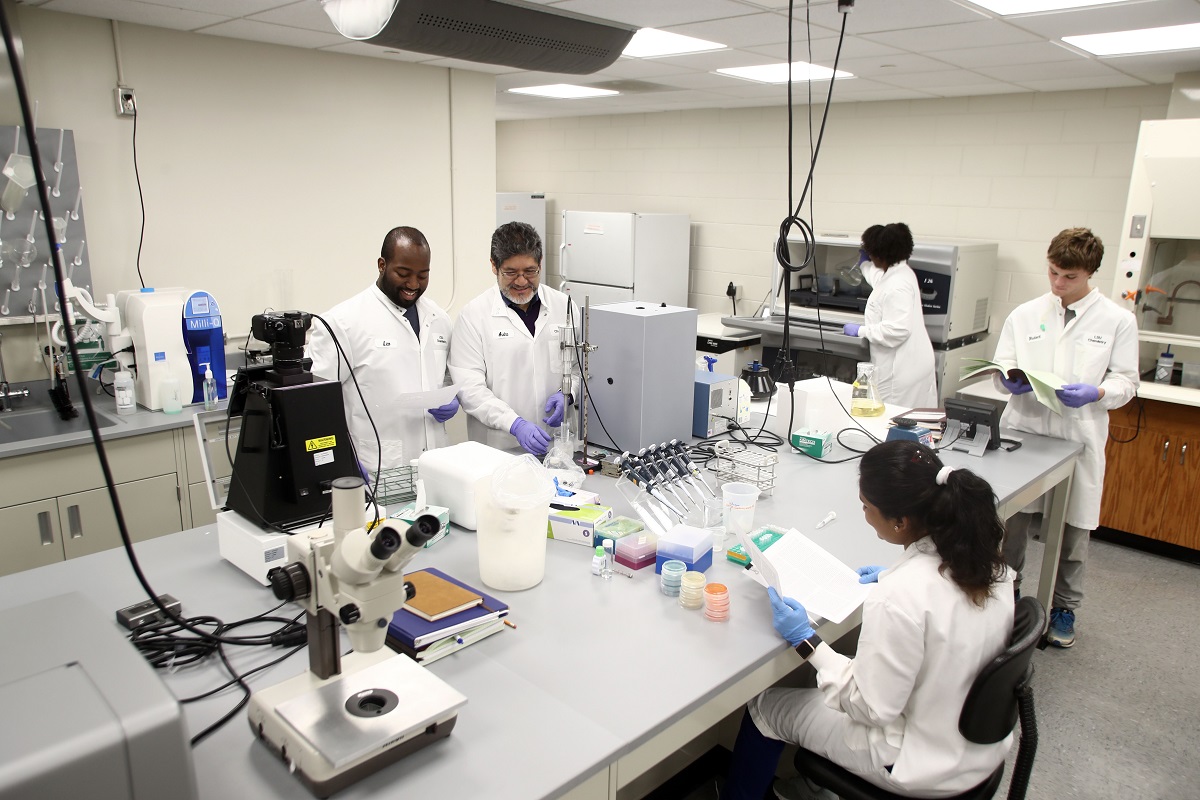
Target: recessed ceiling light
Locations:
point(1008, 7)
point(652, 43)
point(778, 73)
point(564, 91)
point(1146, 40)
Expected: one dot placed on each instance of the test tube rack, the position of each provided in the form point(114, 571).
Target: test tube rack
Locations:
point(397, 485)
point(746, 466)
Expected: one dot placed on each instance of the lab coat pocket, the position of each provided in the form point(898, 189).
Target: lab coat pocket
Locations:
point(438, 355)
point(1091, 362)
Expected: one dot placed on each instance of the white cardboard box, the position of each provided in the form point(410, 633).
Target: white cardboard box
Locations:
point(577, 525)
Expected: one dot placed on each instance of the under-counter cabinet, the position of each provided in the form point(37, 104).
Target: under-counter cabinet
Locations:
point(54, 505)
point(1152, 478)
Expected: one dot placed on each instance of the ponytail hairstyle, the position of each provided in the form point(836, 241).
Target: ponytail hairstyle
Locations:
point(901, 479)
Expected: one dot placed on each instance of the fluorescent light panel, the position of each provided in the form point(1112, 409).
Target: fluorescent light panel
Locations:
point(653, 43)
point(564, 91)
point(1008, 7)
point(778, 73)
point(1146, 40)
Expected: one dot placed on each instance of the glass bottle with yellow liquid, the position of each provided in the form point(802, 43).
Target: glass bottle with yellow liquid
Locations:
point(864, 397)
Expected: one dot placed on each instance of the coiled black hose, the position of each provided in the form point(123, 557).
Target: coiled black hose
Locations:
point(1027, 747)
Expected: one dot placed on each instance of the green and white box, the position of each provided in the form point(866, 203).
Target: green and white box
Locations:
point(577, 525)
point(815, 443)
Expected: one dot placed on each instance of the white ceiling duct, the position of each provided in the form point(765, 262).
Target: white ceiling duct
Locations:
point(513, 33)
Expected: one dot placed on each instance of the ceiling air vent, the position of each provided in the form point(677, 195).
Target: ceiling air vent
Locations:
point(507, 32)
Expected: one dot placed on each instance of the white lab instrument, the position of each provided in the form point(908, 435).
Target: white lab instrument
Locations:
point(527, 207)
point(641, 376)
point(154, 319)
point(614, 257)
point(351, 715)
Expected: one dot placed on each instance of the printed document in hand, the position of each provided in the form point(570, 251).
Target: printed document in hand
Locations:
point(432, 399)
point(798, 567)
point(1044, 383)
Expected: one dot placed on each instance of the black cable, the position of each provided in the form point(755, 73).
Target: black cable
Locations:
point(141, 199)
point(583, 379)
point(1137, 430)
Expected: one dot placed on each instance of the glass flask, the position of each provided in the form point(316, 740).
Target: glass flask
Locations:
point(864, 396)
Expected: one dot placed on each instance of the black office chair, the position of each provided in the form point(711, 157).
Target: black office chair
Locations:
point(1000, 695)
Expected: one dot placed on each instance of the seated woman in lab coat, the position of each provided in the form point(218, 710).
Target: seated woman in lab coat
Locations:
point(934, 619)
point(893, 322)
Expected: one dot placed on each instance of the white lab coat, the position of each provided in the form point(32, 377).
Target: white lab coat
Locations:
point(1099, 346)
point(388, 360)
point(897, 702)
point(502, 371)
point(900, 347)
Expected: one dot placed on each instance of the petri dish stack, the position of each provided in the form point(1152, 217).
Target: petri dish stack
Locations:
point(672, 577)
point(691, 590)
point(716, 602)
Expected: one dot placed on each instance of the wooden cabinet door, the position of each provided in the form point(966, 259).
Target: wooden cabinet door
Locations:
point(29, 536)
point(1180, 521)
point(1135, 477)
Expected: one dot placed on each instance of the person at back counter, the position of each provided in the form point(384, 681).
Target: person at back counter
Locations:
point(893, 322)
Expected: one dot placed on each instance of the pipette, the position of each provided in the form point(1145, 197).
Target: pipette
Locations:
point(633, 469)
point(830, 517)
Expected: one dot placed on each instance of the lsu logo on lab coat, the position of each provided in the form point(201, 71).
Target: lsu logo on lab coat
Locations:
point(382, 344)
point(503, 334)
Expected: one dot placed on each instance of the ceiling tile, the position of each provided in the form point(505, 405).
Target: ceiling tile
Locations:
point(225, 8)
point(746, 31)
point(273, 34)
point(1079, 68)
point(969, 34)
point(875, 16)
point(134, 11)
point(305, 14)
point(898, 64)
point(1030, 53)
point(1074, 84)
point(654, 13)
point(929, 80)
point(1104, 19)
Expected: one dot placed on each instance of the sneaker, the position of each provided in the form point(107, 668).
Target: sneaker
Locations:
point(1062, 627)
point(801, 788)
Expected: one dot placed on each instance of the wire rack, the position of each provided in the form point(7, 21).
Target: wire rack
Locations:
point(746, 466)
point(397, 485)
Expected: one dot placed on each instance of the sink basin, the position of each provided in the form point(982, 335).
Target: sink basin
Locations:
point(24, 424)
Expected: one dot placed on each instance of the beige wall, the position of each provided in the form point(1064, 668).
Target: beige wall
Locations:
point(1014, 169)
point(270, 173)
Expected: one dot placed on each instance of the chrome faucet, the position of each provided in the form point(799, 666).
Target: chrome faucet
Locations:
point(5, 390)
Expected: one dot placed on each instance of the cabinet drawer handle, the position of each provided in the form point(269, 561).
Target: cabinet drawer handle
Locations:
point(1182, 453)
point(74, 523)
point(45, 530)
point(1166, 447)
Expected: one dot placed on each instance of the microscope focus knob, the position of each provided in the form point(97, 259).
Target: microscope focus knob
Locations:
point(349, 614)
point(290, 582)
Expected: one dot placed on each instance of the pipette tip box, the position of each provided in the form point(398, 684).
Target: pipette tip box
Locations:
point(637, 550)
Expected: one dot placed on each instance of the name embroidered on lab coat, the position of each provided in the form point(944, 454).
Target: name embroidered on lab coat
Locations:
point(1099, 339)
point(502, 334)
point(382, 343)
point(440, 339)
point(1035, 337)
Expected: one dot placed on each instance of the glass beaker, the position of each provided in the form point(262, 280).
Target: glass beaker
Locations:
point(864, 396)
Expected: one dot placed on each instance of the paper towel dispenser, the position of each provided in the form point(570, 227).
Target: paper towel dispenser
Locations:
point(513, 33)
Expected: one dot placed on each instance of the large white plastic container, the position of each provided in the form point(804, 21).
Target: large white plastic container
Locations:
point(512, 505)
point(450, 474)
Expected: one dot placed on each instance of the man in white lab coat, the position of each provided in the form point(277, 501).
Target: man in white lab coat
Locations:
point(506, 357)
point(1091, 343)
point(893, 321)
point(396, 341)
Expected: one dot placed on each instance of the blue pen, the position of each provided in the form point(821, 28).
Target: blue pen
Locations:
point(458, 639)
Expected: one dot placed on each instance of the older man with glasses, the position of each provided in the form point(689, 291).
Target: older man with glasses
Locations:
point(505, 348)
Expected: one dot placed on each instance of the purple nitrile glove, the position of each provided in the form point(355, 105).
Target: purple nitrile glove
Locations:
point(1018, 386)
point(530, 436)
point(1074, 395)
point(443, 413)
point(556, 406)
point(851, 329)
point(789, 618)
point(869, 574)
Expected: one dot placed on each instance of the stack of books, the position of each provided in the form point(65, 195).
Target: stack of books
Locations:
point(444, 616)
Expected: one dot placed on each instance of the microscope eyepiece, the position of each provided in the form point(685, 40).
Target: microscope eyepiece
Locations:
point(385, 543)
point(424, 529)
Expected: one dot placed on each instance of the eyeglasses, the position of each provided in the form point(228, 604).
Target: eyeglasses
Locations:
point(512, 274)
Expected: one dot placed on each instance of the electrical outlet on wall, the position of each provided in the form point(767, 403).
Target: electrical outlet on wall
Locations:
point(126, 101)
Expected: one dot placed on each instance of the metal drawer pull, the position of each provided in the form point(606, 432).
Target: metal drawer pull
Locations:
point(1166, 447)
point(74, 523)
point(1182, 453)
point(44, 529)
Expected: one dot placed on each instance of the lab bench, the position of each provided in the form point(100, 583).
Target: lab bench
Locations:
point(545, 717)
point(54, 504)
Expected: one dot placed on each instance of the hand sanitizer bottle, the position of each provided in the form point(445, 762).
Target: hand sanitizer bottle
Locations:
point(210, 390)
point(598, 561)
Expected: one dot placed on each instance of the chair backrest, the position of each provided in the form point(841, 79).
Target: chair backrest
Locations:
point(990, 711)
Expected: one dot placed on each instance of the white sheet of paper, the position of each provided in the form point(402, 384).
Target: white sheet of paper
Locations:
point(798, 567)
point(426, 400)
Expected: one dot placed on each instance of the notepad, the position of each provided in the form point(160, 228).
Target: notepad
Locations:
point(1044, 383)
point(437, 597)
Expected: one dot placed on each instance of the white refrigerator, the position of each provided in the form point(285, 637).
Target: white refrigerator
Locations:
point(616, 257)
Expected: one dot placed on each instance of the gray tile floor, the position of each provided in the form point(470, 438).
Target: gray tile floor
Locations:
point(1118, 713)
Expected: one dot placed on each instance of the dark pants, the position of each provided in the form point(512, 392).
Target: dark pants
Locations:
point(752, 769)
